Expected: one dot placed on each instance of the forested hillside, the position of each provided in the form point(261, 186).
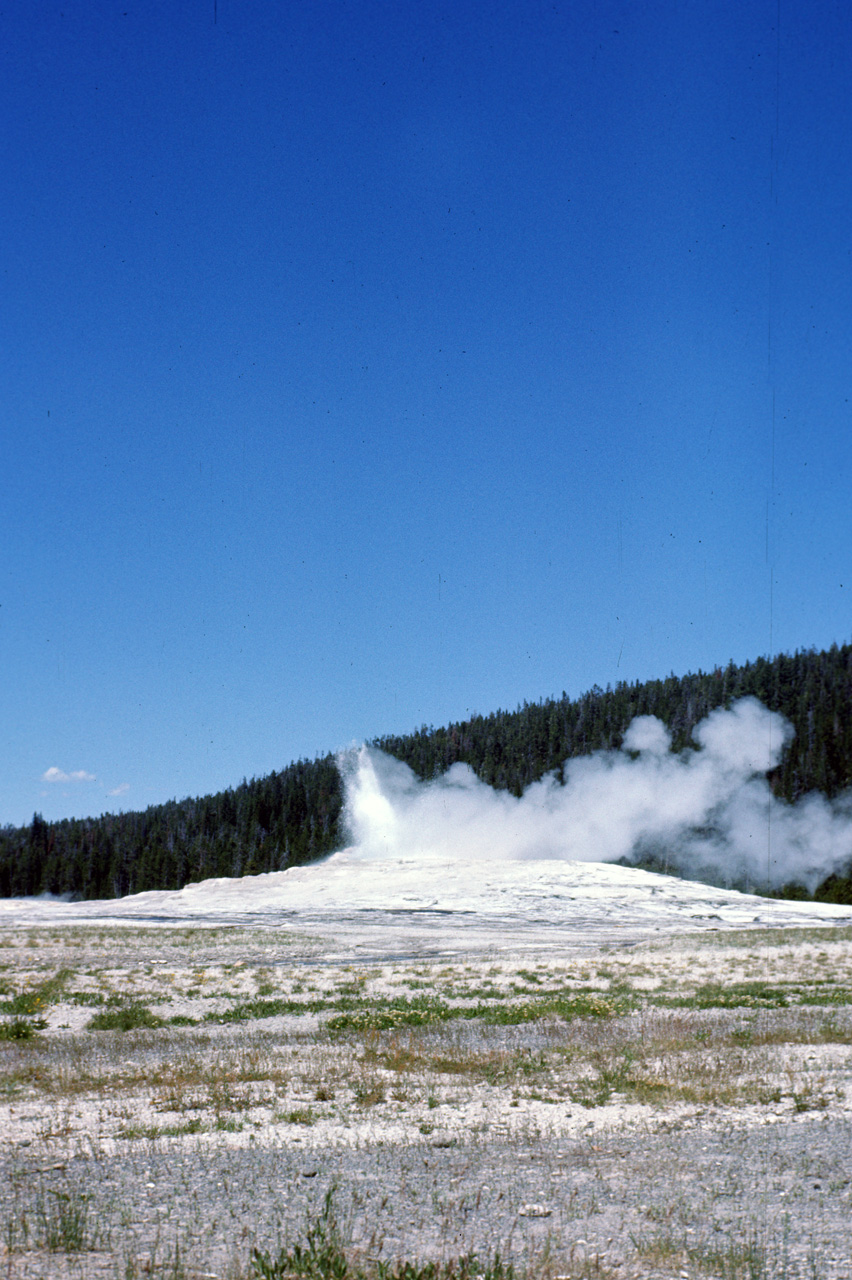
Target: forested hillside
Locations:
point(513, 748)
point(294, 816)
point(263, 825)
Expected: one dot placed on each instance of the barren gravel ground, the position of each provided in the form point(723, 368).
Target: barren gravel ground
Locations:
point(669, 1107)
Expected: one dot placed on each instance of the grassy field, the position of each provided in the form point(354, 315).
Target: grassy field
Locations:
point(137, 1063)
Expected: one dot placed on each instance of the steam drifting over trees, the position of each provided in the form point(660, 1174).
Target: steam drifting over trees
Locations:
point(294, 816)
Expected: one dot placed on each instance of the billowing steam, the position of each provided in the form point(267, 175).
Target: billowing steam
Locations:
point(705, 813)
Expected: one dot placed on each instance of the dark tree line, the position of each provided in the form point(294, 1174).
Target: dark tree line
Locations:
point(510, 749)
point(267, 824)
point(294, 816)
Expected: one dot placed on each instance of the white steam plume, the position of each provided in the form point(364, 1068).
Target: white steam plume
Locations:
point(707, 813)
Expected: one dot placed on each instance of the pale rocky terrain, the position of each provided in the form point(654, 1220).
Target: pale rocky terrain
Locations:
point(604, 1114)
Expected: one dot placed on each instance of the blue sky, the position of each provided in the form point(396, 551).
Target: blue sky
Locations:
point(372, 364)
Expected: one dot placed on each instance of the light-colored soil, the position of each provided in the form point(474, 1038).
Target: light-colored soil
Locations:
point(627, 1119)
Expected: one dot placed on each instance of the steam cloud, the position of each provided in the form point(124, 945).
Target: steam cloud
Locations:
point(707, 813)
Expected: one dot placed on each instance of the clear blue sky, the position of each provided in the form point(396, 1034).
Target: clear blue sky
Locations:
point(368, 364)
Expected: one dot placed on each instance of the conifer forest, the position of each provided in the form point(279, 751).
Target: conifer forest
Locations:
point(295, 816)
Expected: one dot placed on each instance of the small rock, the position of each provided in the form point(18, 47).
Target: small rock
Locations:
point(534, 1211)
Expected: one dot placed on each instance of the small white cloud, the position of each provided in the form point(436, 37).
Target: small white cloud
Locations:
point(59, 775)
point(121, 790)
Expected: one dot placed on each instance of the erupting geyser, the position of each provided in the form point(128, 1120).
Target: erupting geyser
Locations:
point(708, 812)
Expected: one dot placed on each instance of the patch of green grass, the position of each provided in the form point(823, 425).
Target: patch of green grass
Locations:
point(611, 1076)
point(730, 995)
point(567, 1006)
point(131, 1017)
point(368, 1093)
point(63, 1222)
point(837, 996)
point(422, 1011)
point(491, 1066)
point(132, 1132)
point(386, 1015)
point(300, 1115)
point(248, 1010)
point(739, 1258)
point(21, 1028)
point(228, 1124)
point(36, 999)
point(170, 1267)
point(323, 1256)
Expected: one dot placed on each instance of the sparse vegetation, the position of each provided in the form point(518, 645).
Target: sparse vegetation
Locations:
point(58, 1220)
point(21, 1028)
point(130, 1017)
point(426, 1058)
point(323, 1256)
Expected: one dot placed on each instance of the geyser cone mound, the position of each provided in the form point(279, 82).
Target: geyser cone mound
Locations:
point(394, 903)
